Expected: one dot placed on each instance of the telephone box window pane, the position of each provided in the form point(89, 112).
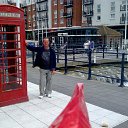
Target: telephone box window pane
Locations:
point(19, 45)
point(18, 37)
point(10, 57)
point(18, 29)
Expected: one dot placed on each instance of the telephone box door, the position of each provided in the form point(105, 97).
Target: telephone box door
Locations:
point(13, 81)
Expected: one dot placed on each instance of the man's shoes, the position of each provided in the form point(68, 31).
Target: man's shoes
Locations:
point(40, 96)
point(45, 95)
point(48, 95)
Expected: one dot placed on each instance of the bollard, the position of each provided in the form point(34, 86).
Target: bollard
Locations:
point(103, 51)
point(122, 71)
point(57, 55)
point(117, 51)
point(65, 69)
point(94, 53)
point(89, 65)
point(73, 54)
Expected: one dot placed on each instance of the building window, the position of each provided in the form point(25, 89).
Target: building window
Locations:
point(89, 20)
point(88, 32)
point(33, 17)
point(98, 18)
point(98, 8)
point(33, 8)
point(55, 17)
point(29, 17)
point(61, 40)
point(55, 2)
point(55, 21)
point(34, 24)
point(29, 25)
point(122, 18)
point(55, 14)
point(69, 11)
point(61, 12)
point(124, 2)
point(89, 10)
point(45, 24)
point(69, 22)
point(113, 16)
point(61, 20)
point(61, 1)
point(113, 6)
point(29, 8)
point(44, 6)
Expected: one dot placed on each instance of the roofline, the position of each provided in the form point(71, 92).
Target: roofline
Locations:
point(65, 28)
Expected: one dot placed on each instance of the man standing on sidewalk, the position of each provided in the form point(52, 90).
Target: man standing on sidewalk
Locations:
point(46, 61)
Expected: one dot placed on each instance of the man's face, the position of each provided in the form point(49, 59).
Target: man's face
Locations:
point(46, 43)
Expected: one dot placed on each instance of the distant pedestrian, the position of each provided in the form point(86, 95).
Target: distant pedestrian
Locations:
point(87, 47)
point(92, 45)
point(46, 61)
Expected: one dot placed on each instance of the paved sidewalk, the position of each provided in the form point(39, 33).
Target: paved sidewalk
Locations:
point(40, 113)
point(104, 95)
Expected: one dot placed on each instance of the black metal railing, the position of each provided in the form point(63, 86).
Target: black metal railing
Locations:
point(105, 56)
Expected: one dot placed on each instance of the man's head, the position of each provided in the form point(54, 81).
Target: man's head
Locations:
point(46, 43)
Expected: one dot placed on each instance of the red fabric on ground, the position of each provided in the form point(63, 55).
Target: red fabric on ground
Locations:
point(75, 114)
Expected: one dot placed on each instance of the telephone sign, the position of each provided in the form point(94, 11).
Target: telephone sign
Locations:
point(4, 14)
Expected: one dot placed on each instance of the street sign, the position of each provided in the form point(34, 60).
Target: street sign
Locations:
point(62, 34)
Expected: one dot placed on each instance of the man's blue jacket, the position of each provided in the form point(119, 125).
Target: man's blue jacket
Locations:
point(38, 59)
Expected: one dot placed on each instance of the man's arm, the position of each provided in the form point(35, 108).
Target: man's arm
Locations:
point(31, 48)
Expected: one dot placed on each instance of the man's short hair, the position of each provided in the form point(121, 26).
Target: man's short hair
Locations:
point(46, 38)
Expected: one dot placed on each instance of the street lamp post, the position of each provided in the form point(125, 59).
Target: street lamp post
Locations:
point(38, 25)
point(125, 42)
point(46, 28)
point(42, 31)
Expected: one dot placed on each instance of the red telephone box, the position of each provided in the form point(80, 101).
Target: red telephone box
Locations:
point(13, 79)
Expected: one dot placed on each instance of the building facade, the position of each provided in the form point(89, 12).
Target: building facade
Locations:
point(87, 12)
point(43, 13)
point(104, 12)
point(66, 13)
point(30, 18)
point(11, 2)
point(3, 1)
point(110, 13)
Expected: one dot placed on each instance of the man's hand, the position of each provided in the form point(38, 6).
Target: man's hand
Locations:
point(53, 72)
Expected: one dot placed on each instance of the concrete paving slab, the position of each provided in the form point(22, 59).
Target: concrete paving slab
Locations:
point(40, 113)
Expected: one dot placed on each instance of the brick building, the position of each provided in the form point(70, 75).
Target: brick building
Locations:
point(66, 13)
